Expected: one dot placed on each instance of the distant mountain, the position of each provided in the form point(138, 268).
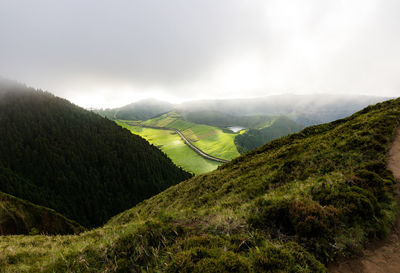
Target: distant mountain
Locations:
point(141, 110)
point(304, 109)
point(254, 138)
point(58, 155)
point(220, 119)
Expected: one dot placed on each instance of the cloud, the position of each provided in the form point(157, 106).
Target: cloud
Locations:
point(105, 53)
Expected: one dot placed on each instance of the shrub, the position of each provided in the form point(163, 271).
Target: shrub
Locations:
point(203, 260)
point(289, 257)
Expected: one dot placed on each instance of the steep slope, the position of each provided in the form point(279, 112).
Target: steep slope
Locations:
point(66, 158)
point(20, 217)
point(254, 138)
point(292, 205)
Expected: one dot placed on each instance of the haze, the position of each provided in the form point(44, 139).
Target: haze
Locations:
point(110, 53)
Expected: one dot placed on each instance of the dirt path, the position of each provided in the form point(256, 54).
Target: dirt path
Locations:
point(383, 256)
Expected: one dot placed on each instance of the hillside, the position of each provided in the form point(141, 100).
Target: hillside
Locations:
point(292, 205)
point(171, 144)
point(210, 139)
point(254, 138)
point(20, 217)
point(141, 110)
point(220, 119)
point(63, 157)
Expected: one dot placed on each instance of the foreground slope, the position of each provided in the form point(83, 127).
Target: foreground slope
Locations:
point(58, 155)
point(291, 206)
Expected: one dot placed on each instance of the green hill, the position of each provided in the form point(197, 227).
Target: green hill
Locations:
point(254, 138)
point(141, 110)
point(21, 217)
point(171, 143)
point(210, 139)
point(58, 155)
point(290, 206)
point(220, 119)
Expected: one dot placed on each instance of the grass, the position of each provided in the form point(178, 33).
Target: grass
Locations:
point(292, 205)
point(171, 144)
point(210, 139)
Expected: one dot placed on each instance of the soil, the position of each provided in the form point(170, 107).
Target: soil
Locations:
point(382, 256)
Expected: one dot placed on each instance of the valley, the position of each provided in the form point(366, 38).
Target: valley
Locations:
point(199, 136)
point(216, 143)
point(297, 202)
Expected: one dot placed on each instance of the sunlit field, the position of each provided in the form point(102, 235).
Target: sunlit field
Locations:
point(171, 144)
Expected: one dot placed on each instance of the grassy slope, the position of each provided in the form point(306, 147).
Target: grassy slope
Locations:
point(21, 217)
point(171, 144)
point(253, 138)
point(289, 206)
point(211, 140)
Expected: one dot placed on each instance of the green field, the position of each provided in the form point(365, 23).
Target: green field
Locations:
point(210, 139)
point(171, 144)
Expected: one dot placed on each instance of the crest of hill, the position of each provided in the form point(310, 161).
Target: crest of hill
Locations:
point(74, 161)
point(304, 109)
point(292, 205)
point(141, 110)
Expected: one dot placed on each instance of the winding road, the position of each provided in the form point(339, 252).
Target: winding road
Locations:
point(187, 141)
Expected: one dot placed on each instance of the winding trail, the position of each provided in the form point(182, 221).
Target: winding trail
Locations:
point(381, 256)
point(187, 141)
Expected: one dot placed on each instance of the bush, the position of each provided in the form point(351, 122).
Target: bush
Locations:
point(289, 257)
point(203, 260)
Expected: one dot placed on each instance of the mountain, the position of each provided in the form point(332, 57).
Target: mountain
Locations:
point(21, 217)
point(292, 205)
point(254, 138)
point(217, 118)
point(58, 155)
point(304, 109)
point(141, 110)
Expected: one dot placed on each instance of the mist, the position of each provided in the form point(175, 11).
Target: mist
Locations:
point(110, 53)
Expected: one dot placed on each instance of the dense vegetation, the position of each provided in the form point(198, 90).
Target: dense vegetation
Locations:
point(254, 138)
point(61, 156)
point(21, 217)
point(290, 206)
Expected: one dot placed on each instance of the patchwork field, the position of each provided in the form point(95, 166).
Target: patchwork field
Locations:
point(171, 144)
point(210, 139)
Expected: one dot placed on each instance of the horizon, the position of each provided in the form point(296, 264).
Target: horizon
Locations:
point(116, 53)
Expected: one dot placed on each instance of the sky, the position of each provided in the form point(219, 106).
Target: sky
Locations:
point(108, 53)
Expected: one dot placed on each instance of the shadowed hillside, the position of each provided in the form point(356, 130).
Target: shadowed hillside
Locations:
point(60, 156)
point(20, 217)
point(254, 138)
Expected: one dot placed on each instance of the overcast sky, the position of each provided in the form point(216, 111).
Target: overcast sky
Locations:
point(100, 53)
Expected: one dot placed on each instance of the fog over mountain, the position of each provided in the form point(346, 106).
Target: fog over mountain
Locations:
point(107, 54)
